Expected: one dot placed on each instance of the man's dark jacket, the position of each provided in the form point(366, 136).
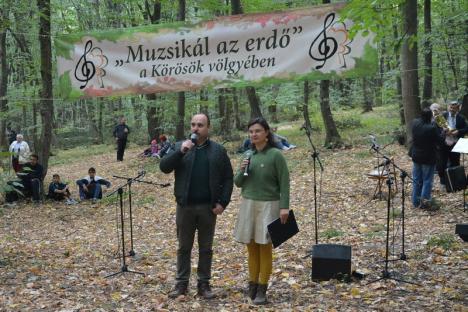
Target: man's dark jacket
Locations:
point(119, 131)
point(220, 173)
point(460, 124)
point(426, 138)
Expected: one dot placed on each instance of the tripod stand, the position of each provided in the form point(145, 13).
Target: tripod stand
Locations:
point(386, 274)
point(124, 267)
point(129, 183)
point(315, 157)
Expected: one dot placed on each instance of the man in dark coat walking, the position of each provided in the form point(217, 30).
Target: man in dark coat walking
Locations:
point(121, 132)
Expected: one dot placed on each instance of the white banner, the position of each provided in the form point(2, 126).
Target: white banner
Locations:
point(236, 50)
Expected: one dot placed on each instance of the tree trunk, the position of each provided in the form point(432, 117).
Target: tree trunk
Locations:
point(180, 95)
point(427, 87)
point(305, 106)
point(235, 100)
point(3, 78)
point(332, 138)
point(396, 51)
point(254, 102)
point(273, 108)
point(180, 131)
point(152, 117)
point(47, 104)
point(409, 61)
point(222, 110)
point(366, 94)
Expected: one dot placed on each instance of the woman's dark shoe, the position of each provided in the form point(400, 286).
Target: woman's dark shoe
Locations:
point(260, 297)
point(252, 291)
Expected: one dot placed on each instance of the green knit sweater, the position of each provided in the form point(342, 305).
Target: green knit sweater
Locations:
point(268, 178)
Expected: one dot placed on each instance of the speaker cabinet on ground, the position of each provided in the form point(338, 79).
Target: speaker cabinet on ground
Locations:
point(462, 231)
point(330, 261)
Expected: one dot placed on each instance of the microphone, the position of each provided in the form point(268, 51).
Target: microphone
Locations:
point(194, 137)
point(248, 155)
point(374, 142)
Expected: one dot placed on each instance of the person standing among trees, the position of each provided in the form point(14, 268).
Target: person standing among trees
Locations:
point(457, 129)
point(121, 132)
point(265, 198)
point(21, 151)
point(426, 139)
point(203, 187)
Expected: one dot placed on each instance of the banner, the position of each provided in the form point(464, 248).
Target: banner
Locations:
point(311, 43)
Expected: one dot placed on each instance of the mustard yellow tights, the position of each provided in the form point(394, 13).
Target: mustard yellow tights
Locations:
point(260, 262)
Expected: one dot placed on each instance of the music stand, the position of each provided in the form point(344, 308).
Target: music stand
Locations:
point(462, 148)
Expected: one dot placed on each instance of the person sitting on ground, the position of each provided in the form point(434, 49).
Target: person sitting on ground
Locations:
point(151, 151)
point(90, 187)
point(31, 178)
point(21, 151)
point(280, 141)
point(59, 191)
point(165, 146)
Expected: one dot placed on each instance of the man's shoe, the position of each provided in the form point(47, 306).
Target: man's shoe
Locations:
point(252, 290)
point(260, 298)
point(204, 290)
point(179, 290)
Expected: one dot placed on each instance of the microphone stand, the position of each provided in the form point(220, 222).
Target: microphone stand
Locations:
point(124, 267)
point(315, 157)
point(129, 183)
point(386, 274)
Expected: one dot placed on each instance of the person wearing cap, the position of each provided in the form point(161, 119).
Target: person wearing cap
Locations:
point(457, 129)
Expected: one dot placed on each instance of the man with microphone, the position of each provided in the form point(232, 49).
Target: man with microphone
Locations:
point(203, 187)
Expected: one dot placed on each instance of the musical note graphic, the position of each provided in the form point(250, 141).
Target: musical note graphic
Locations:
point(326, 46)
point(100, 72)
point(87, 68)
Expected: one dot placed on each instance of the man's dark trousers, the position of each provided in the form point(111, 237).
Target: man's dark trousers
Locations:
point(189, 219)
point(121, 144)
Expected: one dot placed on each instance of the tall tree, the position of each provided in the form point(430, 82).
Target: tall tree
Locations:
point(153, 110)
point(366, 95)
point(427, 87)
point(409, 61)
point(254, 100)
point(332, 137)
point(47, 104)
point(305, 105)
point(180, 95)
point(3, 71)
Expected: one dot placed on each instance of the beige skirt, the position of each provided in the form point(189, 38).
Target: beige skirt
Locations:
point(253, 219)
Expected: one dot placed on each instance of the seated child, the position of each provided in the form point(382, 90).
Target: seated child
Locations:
point(90, 187)
point(59, 191)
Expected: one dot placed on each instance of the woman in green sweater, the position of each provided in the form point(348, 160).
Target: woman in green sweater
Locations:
point(265, 198)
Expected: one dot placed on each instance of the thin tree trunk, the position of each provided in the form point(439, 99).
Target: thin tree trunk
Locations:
point(254, 102)
point(305, 106)
point(409, 61)
point(332, 138)
point(235, 100)
point(47, 104)
point(427, 87)
point(396, 52)
point(3, 78)
point(366, 94)
point(222, 110)
point(152, 117)
point(180, 95)
point(273, 108)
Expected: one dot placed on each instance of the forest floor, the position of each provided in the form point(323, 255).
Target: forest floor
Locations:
point(55, 257)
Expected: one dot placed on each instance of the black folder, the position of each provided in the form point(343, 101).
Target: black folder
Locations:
point(280, 233)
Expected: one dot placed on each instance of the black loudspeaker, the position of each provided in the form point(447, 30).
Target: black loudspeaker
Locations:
point(331, 261)
point(462, 231)
point(455, 179)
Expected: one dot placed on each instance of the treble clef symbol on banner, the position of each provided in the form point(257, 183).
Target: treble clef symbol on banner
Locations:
point(86, 68)
point(327, 46)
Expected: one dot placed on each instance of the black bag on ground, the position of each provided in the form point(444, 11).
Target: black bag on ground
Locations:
point(455, 179)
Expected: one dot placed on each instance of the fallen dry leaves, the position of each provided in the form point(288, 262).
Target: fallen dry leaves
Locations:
point(55, 257)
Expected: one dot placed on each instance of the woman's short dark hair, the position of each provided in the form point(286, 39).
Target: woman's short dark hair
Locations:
point(426, 115)
point(264, 124)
